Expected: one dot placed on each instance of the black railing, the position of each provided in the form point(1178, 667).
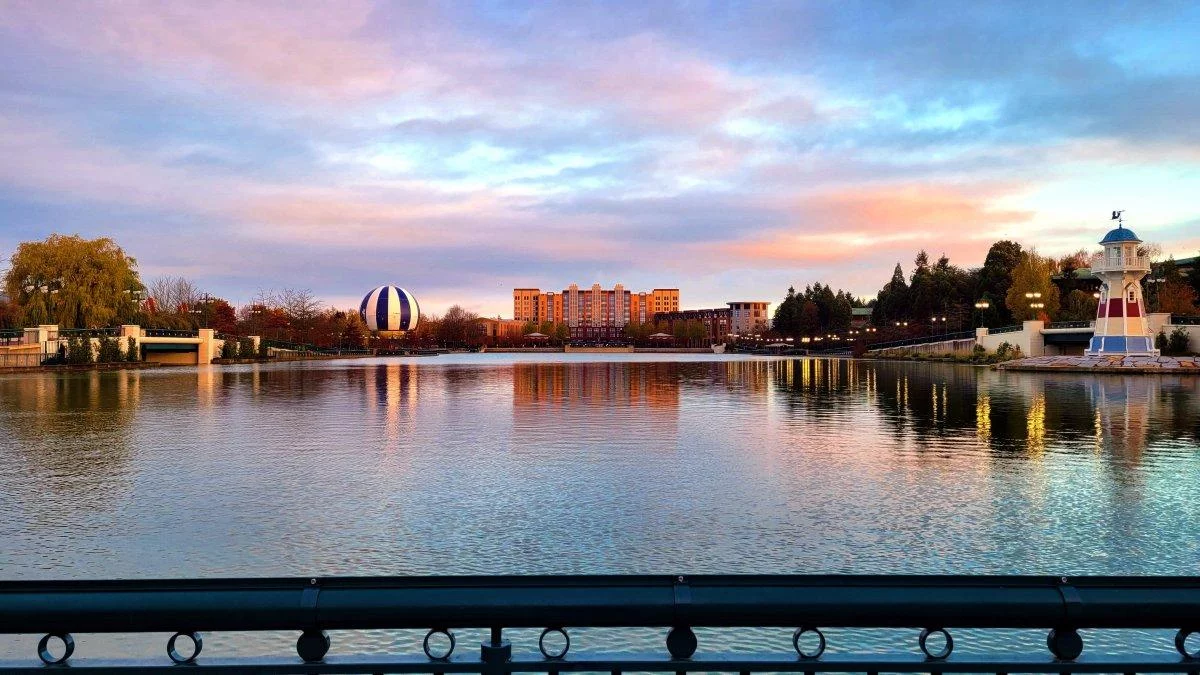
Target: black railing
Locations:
point(808, 604)
point(88, 332)
point(1180, 320)
point(1006, 329)
point(170, 333)
point(924, 340)
point(1069, 324)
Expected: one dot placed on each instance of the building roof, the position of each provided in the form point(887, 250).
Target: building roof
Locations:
point(860, 311)
point(1120, 234)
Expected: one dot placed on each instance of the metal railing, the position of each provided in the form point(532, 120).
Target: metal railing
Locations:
point(1180, 320)
point(1101, 263)
point(170, 333)
point(1016, 328)
point(88, 332)
point(807, 604)
point(923, 340)
point(1068, 324)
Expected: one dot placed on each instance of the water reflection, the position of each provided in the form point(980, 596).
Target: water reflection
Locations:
point(556, 463)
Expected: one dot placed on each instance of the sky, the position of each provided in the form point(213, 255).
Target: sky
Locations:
point(463, 149)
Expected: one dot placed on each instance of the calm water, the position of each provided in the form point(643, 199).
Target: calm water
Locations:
point(579, 464)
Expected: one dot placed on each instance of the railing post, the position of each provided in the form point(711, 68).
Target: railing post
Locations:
point(495, 652)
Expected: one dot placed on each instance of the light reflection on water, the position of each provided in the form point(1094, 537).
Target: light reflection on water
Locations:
point(495, 464)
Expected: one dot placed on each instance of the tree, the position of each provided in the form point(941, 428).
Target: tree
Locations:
point(454, 328)
point(1171, 291)
point(1032, 275)
point(1176, 297)
point(995, 278)
point(173, 295)
point(72, 281)
point(810, 319)
point(301, 307)
point(221, 316)
point(787, 315)
point(891, 304)
point(9, 313)
point(1193, 278)
point(1079, 305)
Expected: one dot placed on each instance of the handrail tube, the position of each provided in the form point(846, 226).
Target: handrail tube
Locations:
point(539, 601)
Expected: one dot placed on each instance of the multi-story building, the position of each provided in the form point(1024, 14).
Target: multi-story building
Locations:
point(594, 313)
point(500, 331)
point(715, 322)
point(748, 317)
point(739, 318)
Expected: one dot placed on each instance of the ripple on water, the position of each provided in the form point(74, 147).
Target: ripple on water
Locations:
point(497, 464)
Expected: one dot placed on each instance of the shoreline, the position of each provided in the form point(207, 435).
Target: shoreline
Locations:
point(1107, 365)
point(80, 367)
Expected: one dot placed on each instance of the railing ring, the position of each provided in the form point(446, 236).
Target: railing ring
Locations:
point(197, 645)
point(44, 648)
point(941, 653)
point(1181, 639)
point(1064, 643)
point(566, 645)
point(681, 642)
point(449, 651)
point(820, 642)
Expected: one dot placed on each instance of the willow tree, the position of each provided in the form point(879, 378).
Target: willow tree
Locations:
point(72, 281)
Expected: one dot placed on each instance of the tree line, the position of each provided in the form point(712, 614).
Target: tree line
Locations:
point(1013, 284)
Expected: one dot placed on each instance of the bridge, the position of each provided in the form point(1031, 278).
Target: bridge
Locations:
point(1033, 338)
point(942, 613)
point(30, 347)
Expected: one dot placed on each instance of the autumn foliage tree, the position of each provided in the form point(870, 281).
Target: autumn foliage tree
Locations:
point(72, 281)
point(1032, 275)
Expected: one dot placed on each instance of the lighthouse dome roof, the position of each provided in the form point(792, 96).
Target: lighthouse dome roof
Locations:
point(1120, 234)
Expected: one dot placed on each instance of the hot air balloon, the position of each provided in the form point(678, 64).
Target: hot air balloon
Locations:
point(390, 309)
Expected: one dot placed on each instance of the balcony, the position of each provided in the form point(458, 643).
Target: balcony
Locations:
point(800, 608)
point(1137, 263)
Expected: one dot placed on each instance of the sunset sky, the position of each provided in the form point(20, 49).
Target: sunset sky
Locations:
point(462, 149)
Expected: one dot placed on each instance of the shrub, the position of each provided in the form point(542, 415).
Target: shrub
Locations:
point(1008, 352)
point(79, 350)
point(1160, 341)
point(1177, 342)
point(246, 348)
point(262, 348)
point(229, 349)
point(110, 351)
point(978, 352)
point(131, 350)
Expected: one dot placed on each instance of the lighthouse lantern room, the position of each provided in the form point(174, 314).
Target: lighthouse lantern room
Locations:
point(1121, 316)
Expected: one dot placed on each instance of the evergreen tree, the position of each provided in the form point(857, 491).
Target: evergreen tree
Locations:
point(995, 278)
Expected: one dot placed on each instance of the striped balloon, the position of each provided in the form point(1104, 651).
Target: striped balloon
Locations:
point(390, 308)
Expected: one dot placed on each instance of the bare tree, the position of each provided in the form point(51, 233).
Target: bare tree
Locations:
point(173, 294)
point(302, 307)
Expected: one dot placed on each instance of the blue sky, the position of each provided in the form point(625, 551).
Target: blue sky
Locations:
point(462, 149)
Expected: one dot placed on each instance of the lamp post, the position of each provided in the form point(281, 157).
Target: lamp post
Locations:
point(981, 307)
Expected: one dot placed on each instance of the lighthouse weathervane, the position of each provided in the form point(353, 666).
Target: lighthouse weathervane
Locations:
point(1120, 315)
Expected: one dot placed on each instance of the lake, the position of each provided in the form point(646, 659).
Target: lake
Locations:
point(578, 463)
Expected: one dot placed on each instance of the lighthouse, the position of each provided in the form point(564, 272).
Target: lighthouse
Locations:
point(1121, 315)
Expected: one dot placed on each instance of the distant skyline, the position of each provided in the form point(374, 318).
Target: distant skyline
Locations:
point(461, 150)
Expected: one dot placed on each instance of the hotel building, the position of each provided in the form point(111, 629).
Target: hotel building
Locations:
point(593, 313)
point(745, 317)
